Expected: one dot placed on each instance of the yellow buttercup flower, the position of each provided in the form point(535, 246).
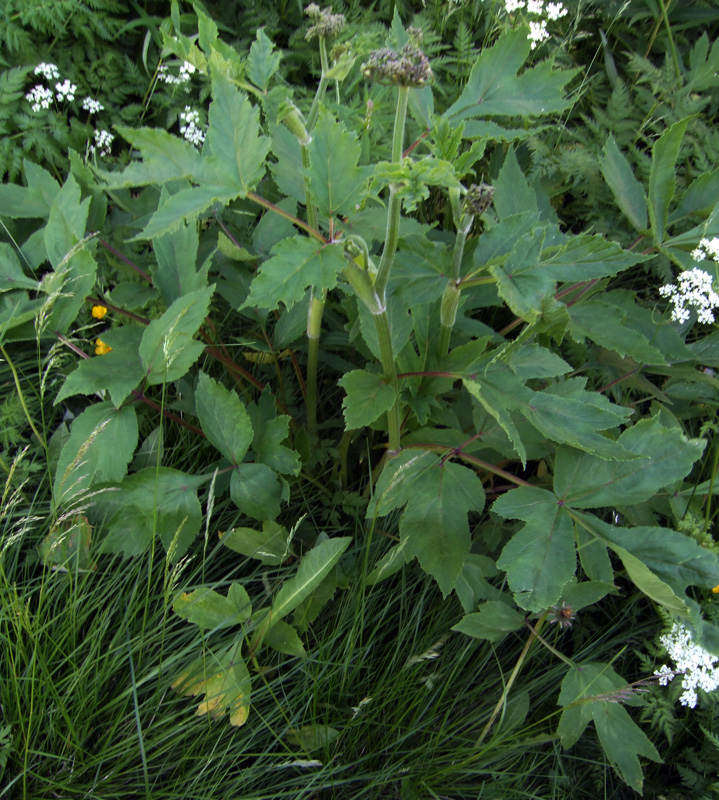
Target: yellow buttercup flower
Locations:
point(99, 312)
point(101, 348)
point(716, 590)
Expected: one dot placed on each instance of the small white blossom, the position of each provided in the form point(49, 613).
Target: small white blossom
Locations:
point(538, 32)
point(186, 71)
point(93, 106)
point(513, 5)
point(103, 142)
point(65, 90)
point(556, 10)
point(535, 6)
point(48, 71)
point(40, 97)
point(191, 130)
point(697, 667)
point(692, 290)
point(708, 248)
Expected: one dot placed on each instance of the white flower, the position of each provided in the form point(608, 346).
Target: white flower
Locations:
point(103, 141)
point(65, 90)
point(538, 32)
point(535, 6)
point(191, 130)
point(556, 10)
point(40, 97)
point(513, 5)
point(692, 290)
point(186, 71)
point(708, 248)
point(93, 106)
point(48, 71)
point(697, 667)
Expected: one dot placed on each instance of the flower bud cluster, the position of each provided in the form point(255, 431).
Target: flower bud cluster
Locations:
point(325, 24)
point(697, 667)
point(409, 67)
point(477, 199)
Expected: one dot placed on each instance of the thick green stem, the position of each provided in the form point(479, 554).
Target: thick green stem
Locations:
point(390, 376)
point(450, 298)
point(320, 93)
point(314, 326)
point(392, 232)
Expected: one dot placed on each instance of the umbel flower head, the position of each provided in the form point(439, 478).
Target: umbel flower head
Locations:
point(409, 67)
point(697, 667)
point(325, 24)
point(478, 199)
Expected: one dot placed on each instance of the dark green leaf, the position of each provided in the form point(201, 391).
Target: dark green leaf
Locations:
point(367, 397)
point(662, 180)
point(256, 491)
point(512, 193)
point(627, 190)
point(296, 265)
point(102, 441)
point(492, 622)
point(263, 61)
point(176, 253)
point(224, 419)
point(540, 558)
point(167, 348)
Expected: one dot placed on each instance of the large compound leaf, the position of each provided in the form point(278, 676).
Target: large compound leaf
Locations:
point(585, 257)
point(224, 419)
point(585, 481)
point(336, 182)
point(167, 348)
point(541, 557)
point(296, 265)
point(494, 89)
point(590, 693)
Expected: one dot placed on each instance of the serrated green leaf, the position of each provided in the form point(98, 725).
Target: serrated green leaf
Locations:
point(153, 502)
point(621, 739)
point(167, 348)
point(512, 193)
point(540, 558)
point(263, 61)
point(285, 639)
point(270, 546)
point(676, 559)
point(337, 184)
point(233, 137)
point(699, 198)
point(610, 326)
point(35, 200)
point(398, 479)
point(584, 481)
point(210, 610)
point(627, 190)
point(296, 265)
point(176, 254)
point(66, 222)
point(472, 584)
point(271, 430)
point(367, 397)
point(256, 491)
point(287, 170)
point(311, 572)
point(434, 526)
point(662, 179)
point(117, 372)
point(585, 257)
point(494, 89)
point(102, 441)
point(224, 419)
point(492, 622)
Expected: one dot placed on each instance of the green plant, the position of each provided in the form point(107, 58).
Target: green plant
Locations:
point(309, 249)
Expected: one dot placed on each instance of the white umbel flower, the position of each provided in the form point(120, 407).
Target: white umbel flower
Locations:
point(693, 289)
point(92, 105)
point(697, 667)
point(40, 97)
point(191, 129)
point(49, 71)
